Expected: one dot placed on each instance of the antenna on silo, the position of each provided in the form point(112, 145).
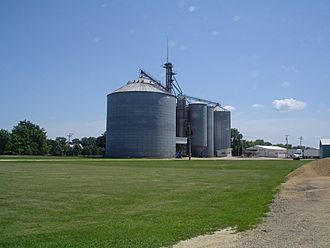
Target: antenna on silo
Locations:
point(166, 49)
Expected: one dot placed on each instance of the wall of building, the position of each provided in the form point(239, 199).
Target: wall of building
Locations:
point(141, 124)
point(324, 151)
point(262, 152)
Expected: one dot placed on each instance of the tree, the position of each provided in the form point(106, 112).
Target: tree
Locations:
point(60, 147)
point(236, 142)
point(90, 147)
point(28, 139)
point(4, 140)
point(101, 142)
point(75, 141)
point(51, 144)
point(284, 145)
point(76, 150)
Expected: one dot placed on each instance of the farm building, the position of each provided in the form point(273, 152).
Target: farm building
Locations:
point(266, 151)
point(325, 148)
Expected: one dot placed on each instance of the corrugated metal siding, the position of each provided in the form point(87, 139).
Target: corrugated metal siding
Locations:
point(181, 117)
point(210, 131)
point(198, 120)
point(324, 151)
point(141, 124)
point(222, 125)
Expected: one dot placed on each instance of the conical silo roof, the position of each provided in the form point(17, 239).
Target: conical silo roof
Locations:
point(141, 84)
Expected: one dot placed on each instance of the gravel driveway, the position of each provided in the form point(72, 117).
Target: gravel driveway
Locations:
point(299, 216)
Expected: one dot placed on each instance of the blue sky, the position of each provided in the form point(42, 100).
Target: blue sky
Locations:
point(269, 61)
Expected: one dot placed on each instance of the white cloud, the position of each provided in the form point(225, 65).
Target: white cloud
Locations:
point(181, 4)
point(254, 74)
point(172, 43)
point(229, 108)
point(257, 105)
point(289, 68)
point(254, 56)
point(285, 68)
point(320, 38)
point(286, 105)
point(192, 8)
point(131, 31)
point(236, 18)
point(215, 33)
point(183, 48)
point(285, 84)
point(96, 39)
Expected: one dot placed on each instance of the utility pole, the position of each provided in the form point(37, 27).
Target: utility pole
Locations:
point(300, 141)
point(287, 144)
point(189, 139)
point(286, 141)
point(301, 147)
point(69, 137)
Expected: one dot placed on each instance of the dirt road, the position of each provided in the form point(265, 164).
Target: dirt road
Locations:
point(299, 216)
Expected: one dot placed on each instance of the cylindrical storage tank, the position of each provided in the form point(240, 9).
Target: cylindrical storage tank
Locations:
point(141, 121)
point(198, 122)
point(210, 131)
point(222, 135)
point(181, 117)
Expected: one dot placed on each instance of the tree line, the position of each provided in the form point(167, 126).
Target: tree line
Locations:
point(27, 138)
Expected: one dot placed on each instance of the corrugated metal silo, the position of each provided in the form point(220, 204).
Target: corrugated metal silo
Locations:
point(141, 121)
point(198, 121)
point(222, 136)
point(181, 117)
point(210, 131)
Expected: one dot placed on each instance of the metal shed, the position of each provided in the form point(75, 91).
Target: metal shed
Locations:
point(325, 148)
point(266, 151)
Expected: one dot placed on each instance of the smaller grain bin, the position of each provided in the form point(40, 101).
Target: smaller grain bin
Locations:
point(222, 133)
point(210, 131)
point(181, 117)
point(198, 122)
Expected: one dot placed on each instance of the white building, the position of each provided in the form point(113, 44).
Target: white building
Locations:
point(266, 151)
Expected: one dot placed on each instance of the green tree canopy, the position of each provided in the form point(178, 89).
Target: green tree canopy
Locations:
point(4, 140)
point(236, 142)
point(60, 147)
point(101, 140)
point(90, 146)
point(28, 139)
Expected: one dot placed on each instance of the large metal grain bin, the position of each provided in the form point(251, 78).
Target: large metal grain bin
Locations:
point(222, 135)
point(210, 131)
point(141, 121)
point(198, 121)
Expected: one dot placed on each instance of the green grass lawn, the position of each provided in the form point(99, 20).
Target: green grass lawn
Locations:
point(131, 203)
